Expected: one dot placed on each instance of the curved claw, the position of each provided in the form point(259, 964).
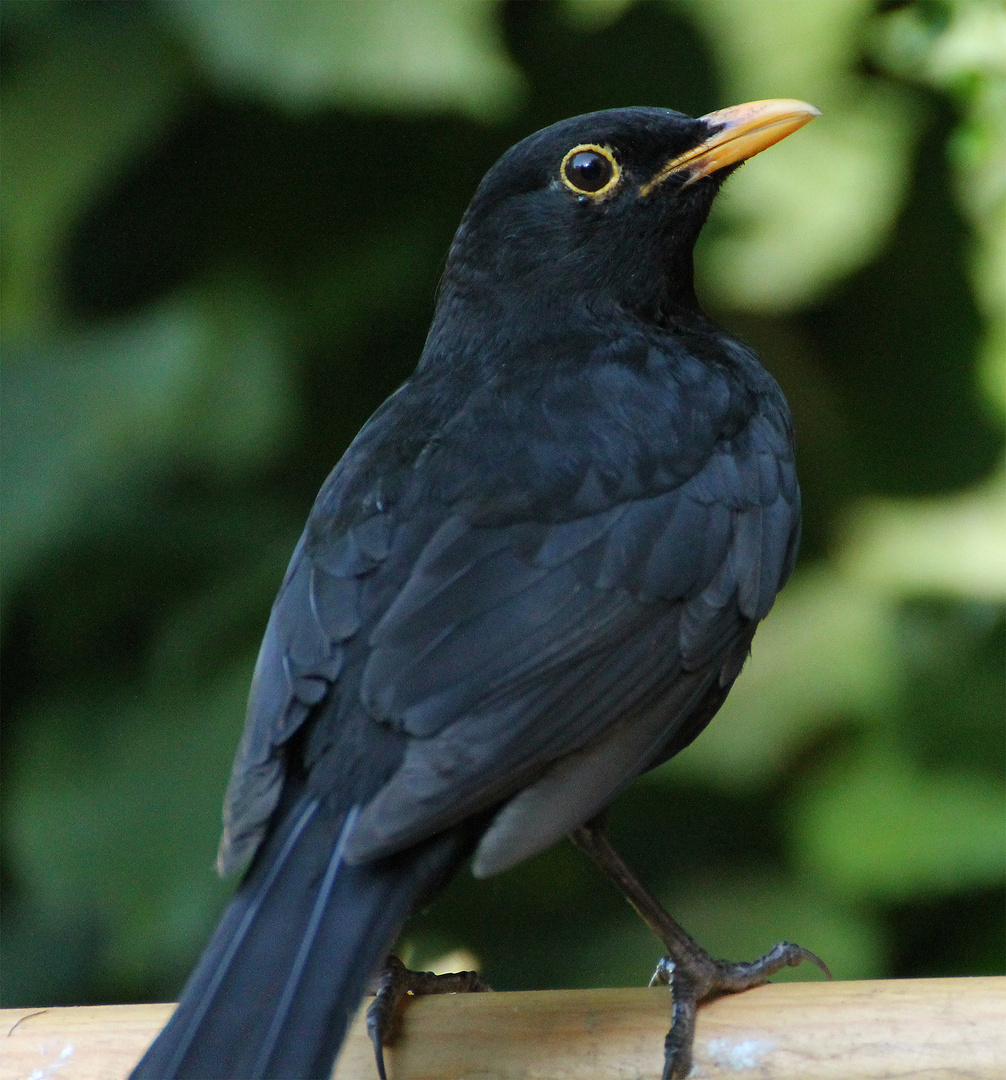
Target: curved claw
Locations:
point(376, 1030)
point(397, 982)
point(802, 954)
point(392, 986)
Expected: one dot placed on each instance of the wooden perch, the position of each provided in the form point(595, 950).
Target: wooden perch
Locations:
point(931, 1028)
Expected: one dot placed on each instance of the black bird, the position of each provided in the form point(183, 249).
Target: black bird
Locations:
point(534, 575)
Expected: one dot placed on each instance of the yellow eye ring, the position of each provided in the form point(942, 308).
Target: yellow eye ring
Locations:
point(590, 170)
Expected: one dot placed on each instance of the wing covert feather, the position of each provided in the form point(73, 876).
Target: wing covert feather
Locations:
point(540, 668)
point(494, 648)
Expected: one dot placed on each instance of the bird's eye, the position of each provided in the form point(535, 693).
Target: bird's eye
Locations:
point(590, 170)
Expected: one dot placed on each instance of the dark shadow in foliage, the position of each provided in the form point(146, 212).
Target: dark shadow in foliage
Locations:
point(952, 935)
point(900, 339)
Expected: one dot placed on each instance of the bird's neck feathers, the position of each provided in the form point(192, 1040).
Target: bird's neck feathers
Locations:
point(552, 268)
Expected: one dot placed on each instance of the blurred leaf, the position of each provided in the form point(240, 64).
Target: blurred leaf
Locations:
point(73, 111)
point(595, 14)
point(964, 52)
point(874, 825)
point(825, 652)
point(240, 402)
point(952, 546)
point(820, 205)
point(202, 633)
point(199, 379)
point(114, 815)
point(955, 694)
point(407, 55)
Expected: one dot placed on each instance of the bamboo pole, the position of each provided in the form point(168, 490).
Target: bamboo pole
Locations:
point(932, 1028)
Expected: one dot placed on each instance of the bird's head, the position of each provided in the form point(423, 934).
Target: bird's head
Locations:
point(606, 207)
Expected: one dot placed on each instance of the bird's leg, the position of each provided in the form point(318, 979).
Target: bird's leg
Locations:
point(691, 973)
point(395, 983)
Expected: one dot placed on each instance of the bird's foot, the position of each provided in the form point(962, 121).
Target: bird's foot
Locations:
point(691, 973)
point(697, 977)
point(397, 982)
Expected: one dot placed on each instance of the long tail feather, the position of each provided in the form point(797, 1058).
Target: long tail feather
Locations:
point(290, 961)
point(293, 980)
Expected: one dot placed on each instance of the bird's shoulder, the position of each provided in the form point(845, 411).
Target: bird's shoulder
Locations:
point(576, 426)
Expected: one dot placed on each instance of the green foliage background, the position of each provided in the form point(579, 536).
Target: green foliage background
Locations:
point(223, 222)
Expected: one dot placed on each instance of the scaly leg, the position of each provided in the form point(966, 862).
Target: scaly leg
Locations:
point(691, 973)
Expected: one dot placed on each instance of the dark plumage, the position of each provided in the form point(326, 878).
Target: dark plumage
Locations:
point(533, 576)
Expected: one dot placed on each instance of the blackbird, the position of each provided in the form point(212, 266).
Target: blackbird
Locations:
point(534, 575)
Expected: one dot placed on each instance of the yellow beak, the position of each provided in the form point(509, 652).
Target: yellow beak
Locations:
point(744, 130)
